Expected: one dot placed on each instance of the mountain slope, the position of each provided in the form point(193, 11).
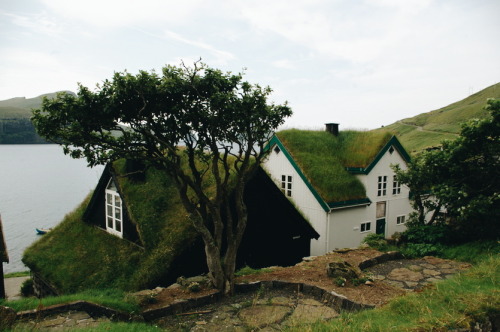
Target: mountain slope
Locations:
point(429, 129)
point(15, 123)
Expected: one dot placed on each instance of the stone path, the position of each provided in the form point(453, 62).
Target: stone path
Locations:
point(13, 287)
point(416, 273)
point(63, 321)
point(271, 311)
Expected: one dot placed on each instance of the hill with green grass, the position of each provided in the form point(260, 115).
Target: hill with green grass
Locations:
point(430, 129)
point(15, 123)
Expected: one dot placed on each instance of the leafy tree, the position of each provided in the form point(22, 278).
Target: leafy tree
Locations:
point(463, 176)
point(206, 128)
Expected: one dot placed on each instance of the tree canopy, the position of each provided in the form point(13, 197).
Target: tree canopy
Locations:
point(213, 122)
point(462, 177)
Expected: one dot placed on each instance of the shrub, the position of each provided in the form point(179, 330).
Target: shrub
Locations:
point(27, 288)
point(376, 241)
point(431, 234)
point(413, 250)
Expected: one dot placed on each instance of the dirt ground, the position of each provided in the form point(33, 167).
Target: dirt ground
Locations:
point(312, 272)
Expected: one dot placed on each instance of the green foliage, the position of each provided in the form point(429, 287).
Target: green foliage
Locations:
point(324, 157)
point(463, 177)
point(419, 233)
point(247, 270)
point(17, 274)
point(376, 241)
point(27, 288)
point(221, 121)
point(415, 250)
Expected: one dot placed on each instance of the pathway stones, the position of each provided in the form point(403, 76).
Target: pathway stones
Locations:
point(416, 273)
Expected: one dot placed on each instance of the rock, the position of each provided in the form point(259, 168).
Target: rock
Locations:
point(404, 274)
point(174, 286)
point(411, 284)
point(342, 270)
point(308, 258)
point(415, 268)
point(369, 283)
point(194, 287)
point(310, 313)
point(430, 272)
point(263, 315)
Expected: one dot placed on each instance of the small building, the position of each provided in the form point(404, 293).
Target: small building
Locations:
point(342, 182)
point(4, 258)
point(134, 233)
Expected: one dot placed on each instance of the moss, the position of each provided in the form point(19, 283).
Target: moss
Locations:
point(324, 157)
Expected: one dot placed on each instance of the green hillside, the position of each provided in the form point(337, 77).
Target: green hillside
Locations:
point(15, 123)
point(429, 129)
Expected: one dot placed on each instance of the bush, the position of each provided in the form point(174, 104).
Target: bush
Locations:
point(376, 241)
point(430, 234)
point(414, 250)
point(27, 288)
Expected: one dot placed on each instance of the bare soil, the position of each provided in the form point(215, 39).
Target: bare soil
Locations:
point(312, 272)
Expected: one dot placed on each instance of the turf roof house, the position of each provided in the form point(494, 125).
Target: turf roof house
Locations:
point(134, 233)
point(342, 182)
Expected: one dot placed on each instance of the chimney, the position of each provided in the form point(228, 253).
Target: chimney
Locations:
point(332, 128)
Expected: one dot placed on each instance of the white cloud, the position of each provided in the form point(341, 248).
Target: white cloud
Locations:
point(36, 23)
point(120, 13)
point(221, 57)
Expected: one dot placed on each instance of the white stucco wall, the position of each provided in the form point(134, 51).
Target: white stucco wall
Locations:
point(341, 228)
point(277, 165)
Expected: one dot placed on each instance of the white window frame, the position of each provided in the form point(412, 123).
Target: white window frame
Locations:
point(401, 220)
point(113, 210)
point(382, 185)
point(396, 186)
point(286, 185)
point(365, 227)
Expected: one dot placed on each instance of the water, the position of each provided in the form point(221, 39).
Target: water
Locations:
point(39, 185)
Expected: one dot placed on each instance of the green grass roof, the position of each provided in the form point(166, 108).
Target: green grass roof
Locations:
point(323, 159)
point(76, 256)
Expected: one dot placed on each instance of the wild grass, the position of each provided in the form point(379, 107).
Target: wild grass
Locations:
point(17, 274)
point(323, 158)
point(431, 128)
point(455, 303)
point(112, 298)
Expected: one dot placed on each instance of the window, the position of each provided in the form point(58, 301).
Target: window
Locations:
point(382, 186)
point(400, 220)
point(380, 212)
point(114, 215)
point(286, 185)
point(396, 186)
point(365, 226)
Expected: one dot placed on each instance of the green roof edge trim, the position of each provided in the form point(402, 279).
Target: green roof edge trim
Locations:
point(350, 203)
point(392, 142)
point(276, 141)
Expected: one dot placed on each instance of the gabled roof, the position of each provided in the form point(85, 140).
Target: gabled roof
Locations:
point(327, 163)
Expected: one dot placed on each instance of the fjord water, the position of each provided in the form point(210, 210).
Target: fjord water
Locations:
point(39, 185)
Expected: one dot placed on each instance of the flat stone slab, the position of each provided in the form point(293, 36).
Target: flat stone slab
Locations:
point(404, 274)
point(263, 315)
point(306, 313)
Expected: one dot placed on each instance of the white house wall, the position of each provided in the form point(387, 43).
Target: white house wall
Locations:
point(345, 224)
point(277, 165)
point(396, 205)
point(341, 228)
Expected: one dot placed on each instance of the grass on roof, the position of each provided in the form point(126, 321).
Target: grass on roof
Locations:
point(77, 256)
point(324, 157)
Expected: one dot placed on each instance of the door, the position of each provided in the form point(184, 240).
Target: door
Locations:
point(380, 227)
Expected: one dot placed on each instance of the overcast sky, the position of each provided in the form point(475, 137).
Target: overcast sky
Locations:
point(361, 63)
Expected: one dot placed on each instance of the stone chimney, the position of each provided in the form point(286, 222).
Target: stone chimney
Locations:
point(332, 128)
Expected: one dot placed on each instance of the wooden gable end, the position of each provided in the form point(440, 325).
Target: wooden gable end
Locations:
point(95, 212)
